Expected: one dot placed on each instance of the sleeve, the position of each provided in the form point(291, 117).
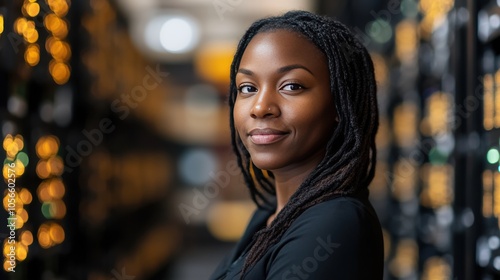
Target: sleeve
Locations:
point(323, 244)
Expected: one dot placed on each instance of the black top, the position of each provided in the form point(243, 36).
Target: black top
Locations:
point(337, 239)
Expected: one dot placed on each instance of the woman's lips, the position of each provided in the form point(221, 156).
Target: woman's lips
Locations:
point(266, 136)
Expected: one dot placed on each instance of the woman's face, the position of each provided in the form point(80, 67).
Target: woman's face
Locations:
point(284, 112)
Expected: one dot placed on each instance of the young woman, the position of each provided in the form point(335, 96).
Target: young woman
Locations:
point(303, 123)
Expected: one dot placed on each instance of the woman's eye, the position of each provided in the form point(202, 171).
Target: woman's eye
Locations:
point(247, 89)
point(292, 87)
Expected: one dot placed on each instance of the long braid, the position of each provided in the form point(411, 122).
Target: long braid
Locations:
point(349, 162)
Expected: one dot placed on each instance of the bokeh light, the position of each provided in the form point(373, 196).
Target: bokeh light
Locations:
point(26, 238)
point(32, 54)
point(1, 24)
point(31, 9)
point(20, 25)
point(47, 146)
point(59, 71)
point(50, 234)
point(59, 7)
point(21, 252)
point(493, 156)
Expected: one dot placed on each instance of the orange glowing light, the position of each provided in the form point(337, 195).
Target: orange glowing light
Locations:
point(32, 55)
point(25, 196)
point(56, 188)
point(60, 72)
point(26, 238)
point(56, 233)
point(47, 146)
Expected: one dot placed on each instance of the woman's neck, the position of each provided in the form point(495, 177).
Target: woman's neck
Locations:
point(287, 182)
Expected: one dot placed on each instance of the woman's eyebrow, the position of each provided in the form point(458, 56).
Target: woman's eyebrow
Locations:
point(293, 66)
point(245, 71)
point(281, 70)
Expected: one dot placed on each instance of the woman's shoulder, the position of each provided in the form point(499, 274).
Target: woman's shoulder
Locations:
point(342, 216)
point(341, 235)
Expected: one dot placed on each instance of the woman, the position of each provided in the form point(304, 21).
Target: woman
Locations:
point(303, 123)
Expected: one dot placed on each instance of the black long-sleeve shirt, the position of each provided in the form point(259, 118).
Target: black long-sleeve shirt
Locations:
point(337, 239)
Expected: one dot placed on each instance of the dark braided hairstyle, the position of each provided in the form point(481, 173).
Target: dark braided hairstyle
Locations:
point(349, 162)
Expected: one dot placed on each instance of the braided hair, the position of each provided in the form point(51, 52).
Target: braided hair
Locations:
point(349, 162)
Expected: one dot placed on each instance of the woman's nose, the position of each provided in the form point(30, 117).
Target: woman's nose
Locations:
point(265, 106)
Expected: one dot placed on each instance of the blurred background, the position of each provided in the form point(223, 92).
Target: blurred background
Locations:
point(114, 125)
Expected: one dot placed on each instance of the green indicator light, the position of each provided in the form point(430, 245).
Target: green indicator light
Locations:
point(492, 156)
point(23, 157)
point(46, 210)
point(436, 157)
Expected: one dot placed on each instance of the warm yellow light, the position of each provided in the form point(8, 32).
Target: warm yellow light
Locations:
point(32, 55)
point(55, 165)
point(438, 7)
point(381, 70)
point(437, 115)
point(26, 238)
point(57, 26)
point(7, 265)
point(404, 123)
point(20, 141)
point(56, 188)
point(25, 196)
point(19, 222)
point(488, 102)
point(12, 145)
point(60, 72)
point(47, 146)
point(20, 25)
point(1, 24)
point(6, 171)
point(16, 204)
point(6, 248)
point(406, 40)
point(57, 209)
point(23, 214)
point(56, 233)
point(7, 141)
point(212, 62)
point(59, 7)
point(30, 34)
point(6, 202)
point(12, 150)
point(32, 9)
point(42, 170)
point(404, 262)
point(437, 189)
point(51, 22)
point(436, 268)
point(19, 168)
point(21, 252)
point(43, 192)
point(43, 236)
point(227, 220)
point(434, 13)
point(59, 50)
point(497, 100)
